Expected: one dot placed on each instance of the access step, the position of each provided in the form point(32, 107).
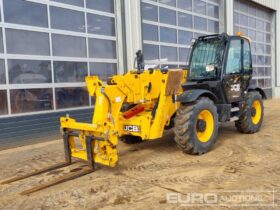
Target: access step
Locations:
point(232, 119)
point(235, 109)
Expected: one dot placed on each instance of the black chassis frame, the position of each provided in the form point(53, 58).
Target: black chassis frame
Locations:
point(216, 88)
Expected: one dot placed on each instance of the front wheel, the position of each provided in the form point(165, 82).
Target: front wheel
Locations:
point(252, 114)
point(196, 126)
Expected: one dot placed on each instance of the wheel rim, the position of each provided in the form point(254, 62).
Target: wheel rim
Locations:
point(256, 116)
point(207, 117)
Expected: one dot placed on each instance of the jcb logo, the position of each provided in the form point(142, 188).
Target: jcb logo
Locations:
point(131, 128)
point(235, 87)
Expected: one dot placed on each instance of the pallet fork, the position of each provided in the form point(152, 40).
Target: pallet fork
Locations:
point(91, 167)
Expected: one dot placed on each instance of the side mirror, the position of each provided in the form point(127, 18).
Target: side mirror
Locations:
point(139, 60)
point(193, 40)
point(210, 67)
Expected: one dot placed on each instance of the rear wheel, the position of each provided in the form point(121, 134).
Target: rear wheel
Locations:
point(196, 126)
point(252, 114)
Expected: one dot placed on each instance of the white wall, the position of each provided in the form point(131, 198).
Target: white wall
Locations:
point(132, 30)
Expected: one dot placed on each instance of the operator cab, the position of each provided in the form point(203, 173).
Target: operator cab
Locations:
point(221, 64)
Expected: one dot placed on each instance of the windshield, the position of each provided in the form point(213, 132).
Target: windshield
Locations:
point(206, 52)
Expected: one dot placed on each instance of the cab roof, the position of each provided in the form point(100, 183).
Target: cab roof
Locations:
point(224, 36)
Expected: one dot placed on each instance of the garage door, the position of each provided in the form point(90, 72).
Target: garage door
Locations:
point(255, 22)
point(169, 25)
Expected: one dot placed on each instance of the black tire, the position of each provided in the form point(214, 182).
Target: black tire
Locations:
point(129, 139)
point(245, 123)
point(185, 129)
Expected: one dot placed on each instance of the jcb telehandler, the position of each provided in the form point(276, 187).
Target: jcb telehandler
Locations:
point(141, 104)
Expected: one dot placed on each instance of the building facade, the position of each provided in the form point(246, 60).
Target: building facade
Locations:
point(47, 47)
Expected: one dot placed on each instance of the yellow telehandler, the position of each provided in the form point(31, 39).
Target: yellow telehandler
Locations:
point(141, 104)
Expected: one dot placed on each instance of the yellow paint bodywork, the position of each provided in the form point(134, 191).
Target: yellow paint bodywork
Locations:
point(148, 89)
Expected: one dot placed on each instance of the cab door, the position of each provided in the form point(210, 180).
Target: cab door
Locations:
point(233, 77)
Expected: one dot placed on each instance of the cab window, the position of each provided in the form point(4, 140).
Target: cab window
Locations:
point(247, 62)
point(233, 65)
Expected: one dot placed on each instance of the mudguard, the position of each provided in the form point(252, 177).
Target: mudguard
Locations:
point(193, 94)
point(258, 89)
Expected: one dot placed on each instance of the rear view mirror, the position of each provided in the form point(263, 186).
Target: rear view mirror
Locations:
point(210, 67)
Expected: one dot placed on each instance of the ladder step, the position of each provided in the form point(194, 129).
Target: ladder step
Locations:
point(235, 109)
point(232, 119)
